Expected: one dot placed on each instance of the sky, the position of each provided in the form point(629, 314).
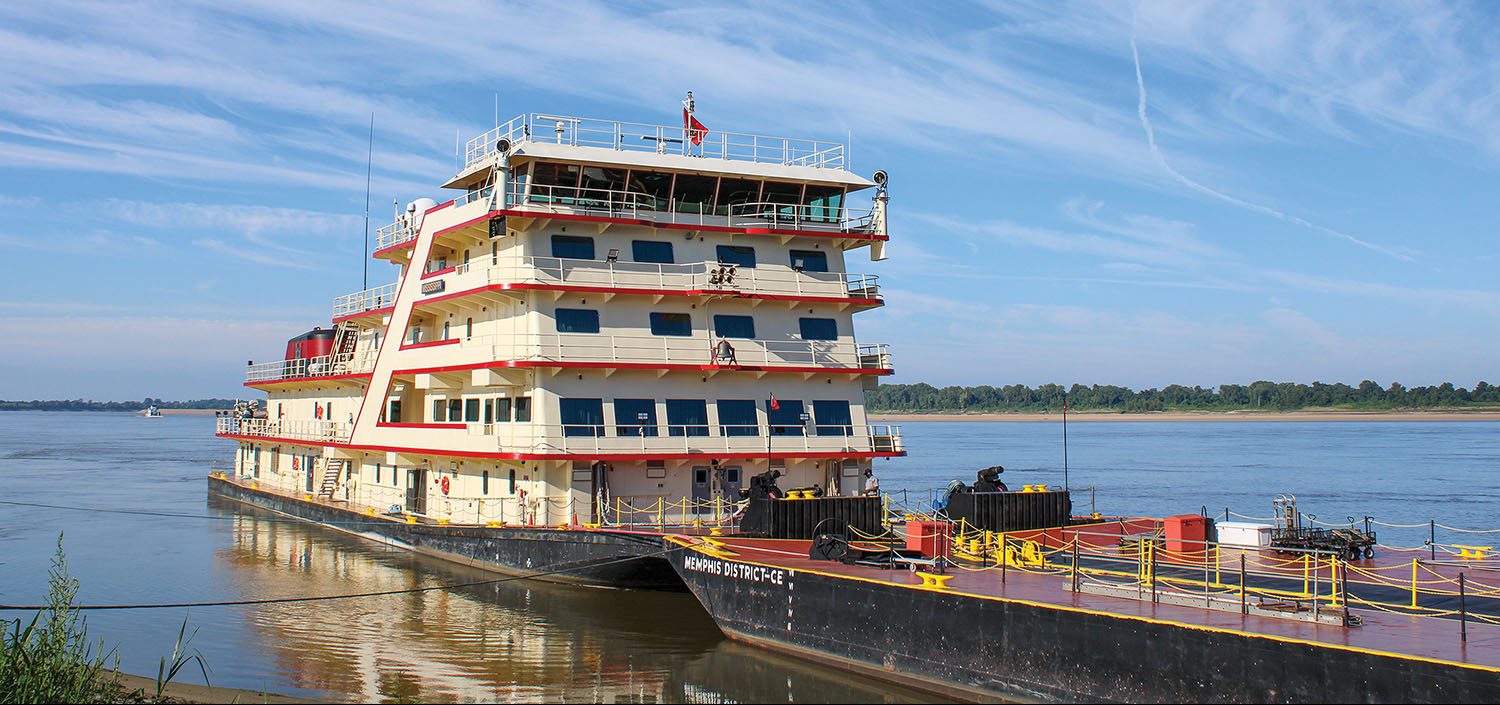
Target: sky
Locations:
point(1081, 192)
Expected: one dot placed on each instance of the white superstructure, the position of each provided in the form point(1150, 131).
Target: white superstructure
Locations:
point(594, 330)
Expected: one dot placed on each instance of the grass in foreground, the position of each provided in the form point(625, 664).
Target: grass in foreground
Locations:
point(52, 660)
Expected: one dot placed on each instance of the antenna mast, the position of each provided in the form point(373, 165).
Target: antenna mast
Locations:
point(1065, 439)
point(369, 166)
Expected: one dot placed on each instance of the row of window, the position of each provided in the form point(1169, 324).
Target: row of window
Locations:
point(689, 417)
point(586, 320)
point(479, 410)
point(660, 252)
point(684, 193)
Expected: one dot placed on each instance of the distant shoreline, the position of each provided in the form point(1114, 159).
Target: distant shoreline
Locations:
point(1230, 416)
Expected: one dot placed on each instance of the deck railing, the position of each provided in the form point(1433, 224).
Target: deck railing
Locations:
point(359, 362)
point(609, 203)
point(393, 234)
point(692, 276)
point(659, 139)
point(746, 440)
point(368, 300)
point(314, 430)
point(681, 350)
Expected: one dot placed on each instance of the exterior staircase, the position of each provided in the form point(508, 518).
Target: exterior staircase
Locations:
point(333, 470)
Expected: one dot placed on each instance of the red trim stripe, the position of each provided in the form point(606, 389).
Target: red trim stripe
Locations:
point(430, 344)
point(439, 272)
point(362, 314)
point(650, 292)
point(566, 456)
point(516, 364)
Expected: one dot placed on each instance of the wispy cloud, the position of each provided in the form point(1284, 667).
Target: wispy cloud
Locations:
point(1161, 160)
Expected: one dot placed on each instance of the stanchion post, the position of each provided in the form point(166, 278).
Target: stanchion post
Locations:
point(1463, 611)
point(1244, 607)
point(1075, 562)
point(1432, 537)
point(1153, 573)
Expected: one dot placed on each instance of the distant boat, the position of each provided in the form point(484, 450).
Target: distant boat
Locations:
point(152, 412)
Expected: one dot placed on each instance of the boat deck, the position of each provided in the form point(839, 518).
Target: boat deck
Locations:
point(1385, 633)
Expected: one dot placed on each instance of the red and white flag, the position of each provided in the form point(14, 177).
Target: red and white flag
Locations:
point(694, 130)
point(775, 405)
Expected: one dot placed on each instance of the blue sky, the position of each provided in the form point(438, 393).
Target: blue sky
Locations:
point(1191, 193)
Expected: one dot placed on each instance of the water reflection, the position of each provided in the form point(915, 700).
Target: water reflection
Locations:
point(520, 641)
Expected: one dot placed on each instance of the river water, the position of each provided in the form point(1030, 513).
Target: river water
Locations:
point(527, 641)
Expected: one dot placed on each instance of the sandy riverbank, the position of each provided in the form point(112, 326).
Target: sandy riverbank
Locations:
point(191, 693)
point(1087, 416)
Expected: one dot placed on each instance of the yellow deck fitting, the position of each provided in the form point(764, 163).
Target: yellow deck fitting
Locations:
point(443, 522)
point(370, 511)
point(494, 524)
point(1473, 553)
point(716, 531)
point(411, 519)
point(935, 582)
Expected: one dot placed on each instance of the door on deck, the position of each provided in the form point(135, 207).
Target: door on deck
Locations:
point(416, 490)
point(702, 488)
point(730, 479)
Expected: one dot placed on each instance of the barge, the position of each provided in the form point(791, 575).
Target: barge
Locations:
point(590, 351)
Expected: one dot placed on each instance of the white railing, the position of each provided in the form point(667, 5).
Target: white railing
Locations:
point(684, 350)
point(367, 300)
point(315, 430)
point(749, 441)
point(472, 196)
point(660, 139)
point(359, 362)
point(393, 234)
point(693, 276)
point(610, 203)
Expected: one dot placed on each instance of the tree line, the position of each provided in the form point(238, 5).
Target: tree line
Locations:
point(90, 405)
point(1270, 396)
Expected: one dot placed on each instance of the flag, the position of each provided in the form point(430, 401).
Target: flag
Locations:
point(775, 405)
point(694, 130)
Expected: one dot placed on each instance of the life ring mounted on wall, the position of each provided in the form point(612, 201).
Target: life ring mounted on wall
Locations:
point(443, 485)
point(317, 411)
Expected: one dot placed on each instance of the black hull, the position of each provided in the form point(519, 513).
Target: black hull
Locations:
point(987, 649)
point(510, 551)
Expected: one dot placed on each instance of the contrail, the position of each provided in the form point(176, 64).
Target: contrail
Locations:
point(1140, 84)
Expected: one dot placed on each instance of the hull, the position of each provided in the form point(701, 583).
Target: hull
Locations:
point(984, 649)
point(510, 551)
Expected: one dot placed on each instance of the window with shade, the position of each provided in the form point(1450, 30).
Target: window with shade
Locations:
point(737, 417)
point(832, 418)
point(687, 417)
point(581, 417)
point(635, 417)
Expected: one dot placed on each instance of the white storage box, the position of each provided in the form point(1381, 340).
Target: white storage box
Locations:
point(1244, 533)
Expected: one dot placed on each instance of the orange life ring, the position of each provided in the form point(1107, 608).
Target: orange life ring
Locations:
point(443, 483)
point(317, 411)
point(295, 465)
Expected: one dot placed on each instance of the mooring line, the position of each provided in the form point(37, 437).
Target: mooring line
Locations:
point(560, 568)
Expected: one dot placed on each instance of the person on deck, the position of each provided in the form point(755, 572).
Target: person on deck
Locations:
point(872, 483)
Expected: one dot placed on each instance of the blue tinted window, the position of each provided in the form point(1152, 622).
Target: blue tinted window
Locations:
point(737, 417)
point(629, 420)
point(819, 328)
point(737, 255)
point(577, 320)
point(572, 247)
point(787, 419)
point(810, 260)
point(581, 417)
point(832, 418)
point(734, 326)
point(651, 251)
point(687, 417)
point(671, 324)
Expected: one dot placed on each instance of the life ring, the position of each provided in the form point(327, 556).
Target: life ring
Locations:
point(443, 484)
point(317, 411)
point(295, 464)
